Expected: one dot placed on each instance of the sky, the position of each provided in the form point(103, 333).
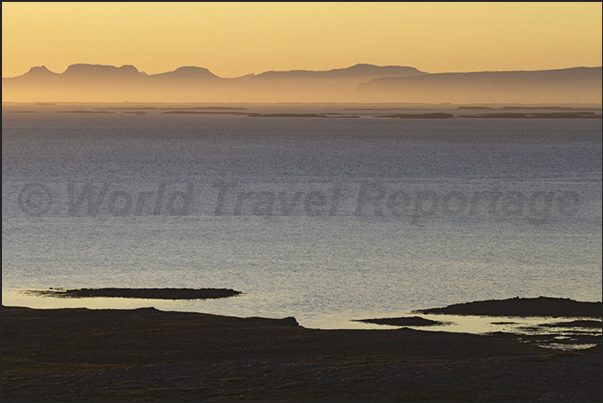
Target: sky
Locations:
point(233, 39)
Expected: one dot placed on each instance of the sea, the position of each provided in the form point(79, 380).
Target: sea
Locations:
point(328, 213)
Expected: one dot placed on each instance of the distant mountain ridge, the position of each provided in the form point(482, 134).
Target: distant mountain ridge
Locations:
point(188, 72)
point(356, 71)
point(359, 83)
point(125, 71)
point(39, 71)
point(97, 70)
point(359, 70)
point(577, 84)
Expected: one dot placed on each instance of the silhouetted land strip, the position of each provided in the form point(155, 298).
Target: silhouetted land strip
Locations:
point(286, 115)
point(594, 324)
point(385, 109)
point(195, 112)
point(435, 115)
point(541, 306)
point(150, 355)
point(431, 115)
point(90, 111)
point(135, 108)
point(146, 293)
point(527, 108)
point(219, 108)
point(441, 115)
point(403, 321)
point(300, 115)
point(553, 108)
point(211, 108)
point(551, 115)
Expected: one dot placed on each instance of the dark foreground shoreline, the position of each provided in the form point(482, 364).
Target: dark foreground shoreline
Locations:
point(151, 355)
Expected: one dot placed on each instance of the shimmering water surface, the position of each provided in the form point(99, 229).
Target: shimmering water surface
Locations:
point(390, 214)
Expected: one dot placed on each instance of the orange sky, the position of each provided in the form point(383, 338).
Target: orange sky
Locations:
point(233, 39)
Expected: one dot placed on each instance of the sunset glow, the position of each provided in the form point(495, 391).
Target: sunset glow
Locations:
point(239, 38)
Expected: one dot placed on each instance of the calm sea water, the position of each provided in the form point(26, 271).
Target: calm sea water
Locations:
point(324, 219)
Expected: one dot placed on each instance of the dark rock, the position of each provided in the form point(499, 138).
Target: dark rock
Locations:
point(403, 321)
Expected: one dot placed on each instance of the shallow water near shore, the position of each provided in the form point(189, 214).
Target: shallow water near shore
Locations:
point(371, 256)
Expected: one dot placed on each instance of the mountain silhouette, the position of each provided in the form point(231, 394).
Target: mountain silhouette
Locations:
point(95, 71)
point(39, 72)
point(187, 72)
point(577, 85)
point(358, 71)
point(358, 83)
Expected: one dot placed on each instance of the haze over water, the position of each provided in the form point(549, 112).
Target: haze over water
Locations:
point(349, 262)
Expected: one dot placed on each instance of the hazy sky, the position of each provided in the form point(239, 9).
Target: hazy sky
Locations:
point(239, 38)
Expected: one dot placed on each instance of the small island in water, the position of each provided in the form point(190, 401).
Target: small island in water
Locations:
point(144, 293)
